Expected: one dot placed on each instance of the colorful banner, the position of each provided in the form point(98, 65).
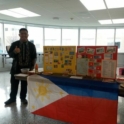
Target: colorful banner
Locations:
point(97, 61)
point(73, 100)
point(60, 59)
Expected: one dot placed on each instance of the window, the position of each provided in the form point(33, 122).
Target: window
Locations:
point(105, 37)
point(69, 37)
point(87, 37)
point(119, 40)
point(36, 37)
point(11, 33)
point(52, 37)
point(1, 39)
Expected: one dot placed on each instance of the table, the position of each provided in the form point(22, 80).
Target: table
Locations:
point(24, 77)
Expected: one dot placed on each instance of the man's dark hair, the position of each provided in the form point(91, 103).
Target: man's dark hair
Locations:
point(23, 29)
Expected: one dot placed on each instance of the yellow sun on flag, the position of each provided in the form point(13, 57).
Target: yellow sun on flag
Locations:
point(33, 107)
point(42, 90)
point(61, 93)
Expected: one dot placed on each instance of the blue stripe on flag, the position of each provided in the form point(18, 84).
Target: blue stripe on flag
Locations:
point(88, 88)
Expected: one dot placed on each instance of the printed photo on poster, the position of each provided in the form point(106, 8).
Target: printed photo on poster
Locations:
point(97, 57)
point(72, 53)
point(81, 50)
point(90, 51)
point(100, 50)
point(108, 56)
point(111, 49)
point(49, 68)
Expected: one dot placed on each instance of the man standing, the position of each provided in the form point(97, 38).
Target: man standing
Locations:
point(24, 55)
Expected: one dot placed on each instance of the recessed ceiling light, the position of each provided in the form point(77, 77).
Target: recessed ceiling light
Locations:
point(24, 12)
point(18, 13)
point(115, 3)
point(116, 21)
point(9, 13)
point(105, 22)
point(93, 4)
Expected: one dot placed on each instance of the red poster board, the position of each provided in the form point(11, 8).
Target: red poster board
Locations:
point(97, 61)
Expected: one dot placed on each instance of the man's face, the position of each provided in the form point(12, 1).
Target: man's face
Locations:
point(23, 35)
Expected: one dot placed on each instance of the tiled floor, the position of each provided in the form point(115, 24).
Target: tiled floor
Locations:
point(19, 114)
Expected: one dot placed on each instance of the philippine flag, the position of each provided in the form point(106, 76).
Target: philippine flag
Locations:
point(75, 101)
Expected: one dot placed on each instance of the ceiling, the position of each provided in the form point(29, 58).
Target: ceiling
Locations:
point(69, 12)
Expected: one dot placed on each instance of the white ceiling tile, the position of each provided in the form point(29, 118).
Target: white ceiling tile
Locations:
point(8, 1)
point(92, 5)
point(101, 14)
point(117, 13)
point(72, 5)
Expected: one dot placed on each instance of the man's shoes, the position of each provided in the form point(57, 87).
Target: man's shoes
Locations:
point(24, 101)
point(10, 101)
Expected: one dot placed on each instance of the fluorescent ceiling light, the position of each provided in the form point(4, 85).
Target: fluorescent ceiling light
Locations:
point(93, 4)
point(116, 21)
point(24, 12)
point(9, 13)
point(114, 3)
point(105, 22)
point(19, 13)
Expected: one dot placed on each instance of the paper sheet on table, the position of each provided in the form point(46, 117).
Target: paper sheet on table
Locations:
point(39, 70)
point(76, 77)
point(21, 75)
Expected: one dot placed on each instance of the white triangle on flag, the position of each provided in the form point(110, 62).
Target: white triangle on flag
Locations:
point(42, 92)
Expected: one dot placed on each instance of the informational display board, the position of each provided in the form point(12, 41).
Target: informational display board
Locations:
point(97, 61)
point(60, 59)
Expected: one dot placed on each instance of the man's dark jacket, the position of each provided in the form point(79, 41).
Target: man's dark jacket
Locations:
point(33, 55)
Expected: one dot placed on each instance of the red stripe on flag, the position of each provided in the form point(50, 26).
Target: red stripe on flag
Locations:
point(81, 110)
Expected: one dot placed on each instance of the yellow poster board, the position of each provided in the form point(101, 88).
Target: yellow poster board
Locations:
point(60, 59)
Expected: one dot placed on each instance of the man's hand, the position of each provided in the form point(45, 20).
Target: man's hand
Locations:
point(17, 50)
